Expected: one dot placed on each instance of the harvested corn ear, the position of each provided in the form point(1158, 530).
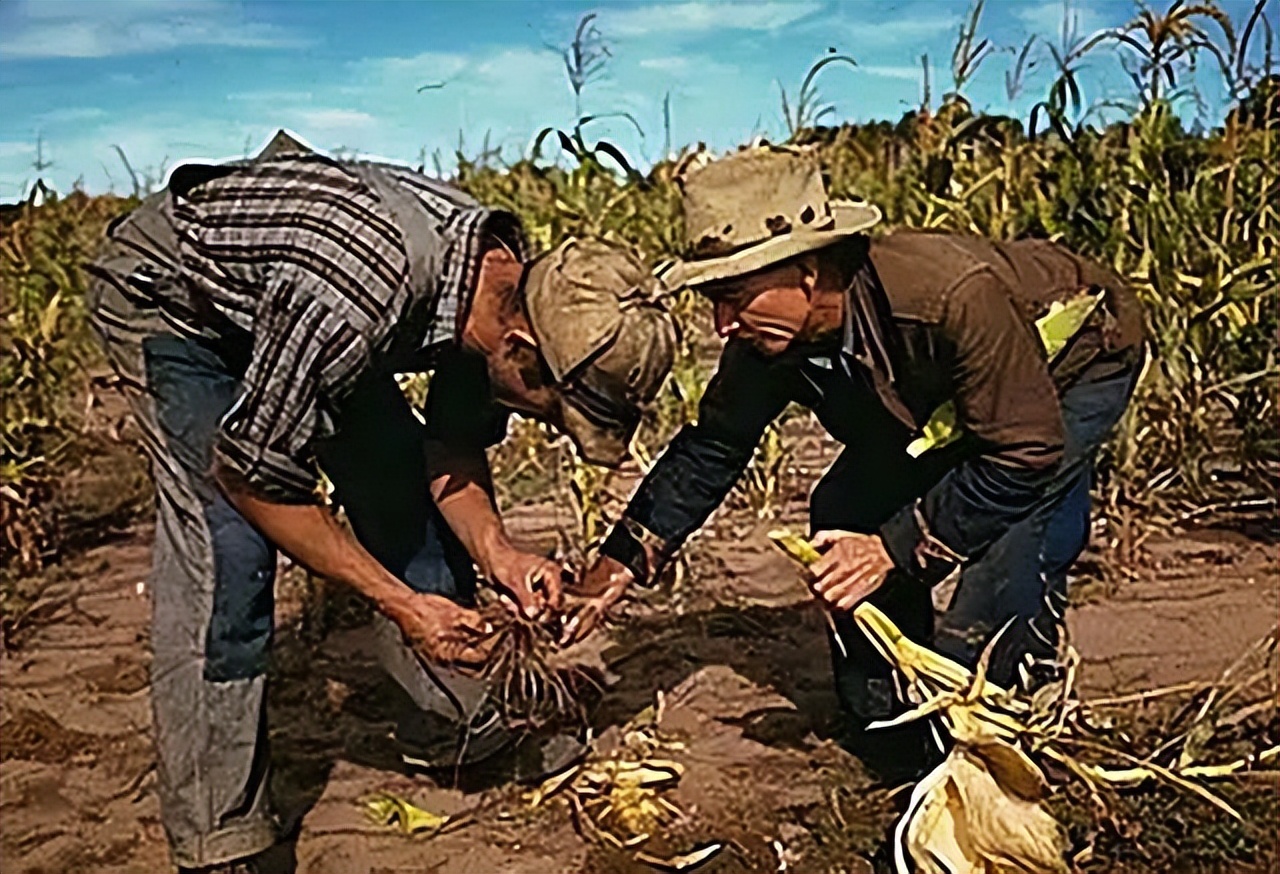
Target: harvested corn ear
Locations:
point(802, 551)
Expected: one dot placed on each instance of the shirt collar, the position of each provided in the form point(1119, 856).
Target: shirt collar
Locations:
point(470, 233)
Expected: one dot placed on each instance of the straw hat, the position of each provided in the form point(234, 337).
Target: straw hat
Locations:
point(754, 208)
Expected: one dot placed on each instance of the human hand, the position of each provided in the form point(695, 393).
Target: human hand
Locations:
point(600, 588)
point(443, 631)
point(528, 584)
point(852, 567)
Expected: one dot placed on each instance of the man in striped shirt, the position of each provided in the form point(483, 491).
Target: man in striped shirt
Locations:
point(258, 312)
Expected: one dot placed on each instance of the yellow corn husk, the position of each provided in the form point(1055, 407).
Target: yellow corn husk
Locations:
point(795, 546)
point(651, 774)
point(979, 812)
point(1060, 324)
point(937, 432)
point(619, 799)
point(963, 819)
point(552, 785)
point(939, 674)
point(931, 834)
point(387, 809)
point(802, 551)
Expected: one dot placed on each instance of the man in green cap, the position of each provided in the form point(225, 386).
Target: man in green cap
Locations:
point(257, 313)
point(970, 382)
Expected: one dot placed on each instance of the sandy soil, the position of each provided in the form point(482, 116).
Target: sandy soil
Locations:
point(738, 650)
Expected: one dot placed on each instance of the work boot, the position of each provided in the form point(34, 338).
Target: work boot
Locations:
point(428, 741)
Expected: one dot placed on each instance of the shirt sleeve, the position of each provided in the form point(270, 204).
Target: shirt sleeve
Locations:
point(1006, 399)
point(705, 459)
point(306, 354)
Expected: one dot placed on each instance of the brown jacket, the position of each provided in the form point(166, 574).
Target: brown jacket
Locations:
point(965, 311)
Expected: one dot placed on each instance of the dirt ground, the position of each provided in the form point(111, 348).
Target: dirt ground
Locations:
point(738, 649)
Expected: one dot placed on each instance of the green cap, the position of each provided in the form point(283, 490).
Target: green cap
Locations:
point(608, 340)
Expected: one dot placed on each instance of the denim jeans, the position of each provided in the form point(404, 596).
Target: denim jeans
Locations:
point(213, 574)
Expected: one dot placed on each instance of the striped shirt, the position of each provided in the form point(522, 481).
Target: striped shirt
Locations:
point(309, 263)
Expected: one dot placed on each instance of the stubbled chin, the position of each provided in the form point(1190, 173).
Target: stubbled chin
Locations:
point(772, 346)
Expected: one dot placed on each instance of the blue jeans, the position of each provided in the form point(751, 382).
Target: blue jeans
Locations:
point(213, 574)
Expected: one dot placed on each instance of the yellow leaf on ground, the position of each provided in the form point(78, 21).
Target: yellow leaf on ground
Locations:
point(387, 809)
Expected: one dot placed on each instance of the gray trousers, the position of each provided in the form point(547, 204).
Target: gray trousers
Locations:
point(213, 574)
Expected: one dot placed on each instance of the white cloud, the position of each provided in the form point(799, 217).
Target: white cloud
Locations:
point(1045, 19)
point(102, 29)
point(891, 71)
point(903, 30)
point(406, 72)
point(702, 16)
point(279, 97)
point(12, 149)
point(333, 121)
point(667, 64)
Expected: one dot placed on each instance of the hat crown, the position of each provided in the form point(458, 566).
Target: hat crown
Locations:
point(751, 196)
point(606, 338)
point(581, 296)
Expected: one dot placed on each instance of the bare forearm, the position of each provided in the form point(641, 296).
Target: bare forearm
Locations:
point(462, 487)
point(311, 536)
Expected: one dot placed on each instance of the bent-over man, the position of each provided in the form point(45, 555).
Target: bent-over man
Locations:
point(880, 338)
point(258, 313)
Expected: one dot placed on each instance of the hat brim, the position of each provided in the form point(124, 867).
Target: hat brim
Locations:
point(607, 447)
point(848, 218)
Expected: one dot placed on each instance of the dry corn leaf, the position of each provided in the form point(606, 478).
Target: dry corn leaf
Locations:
point(685, 862)
point(1012, 769)
point(387, 809)
point(1005, 830)
point(553, 784)
point(962, 820)
point(930, 834)
point(619, 800)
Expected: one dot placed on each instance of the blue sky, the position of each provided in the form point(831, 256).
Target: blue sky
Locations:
point(167, 80)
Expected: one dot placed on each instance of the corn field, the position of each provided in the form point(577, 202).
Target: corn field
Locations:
point(1190, 217)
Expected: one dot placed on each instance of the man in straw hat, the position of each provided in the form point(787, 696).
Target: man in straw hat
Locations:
point(258, 312)
point(969, 440)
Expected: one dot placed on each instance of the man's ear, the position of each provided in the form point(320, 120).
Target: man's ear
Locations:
point(808, 273)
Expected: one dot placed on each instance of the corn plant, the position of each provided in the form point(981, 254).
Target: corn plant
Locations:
point(761, 485)
point(808, 110)
point(43, 347)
